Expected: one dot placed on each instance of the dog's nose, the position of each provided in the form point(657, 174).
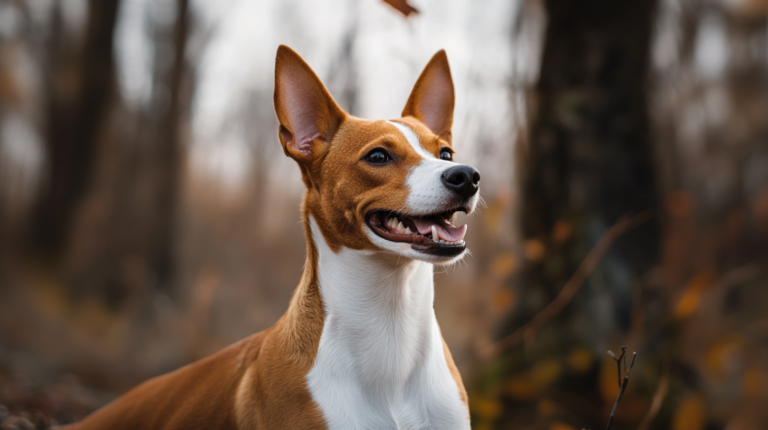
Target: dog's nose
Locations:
point(462, 180)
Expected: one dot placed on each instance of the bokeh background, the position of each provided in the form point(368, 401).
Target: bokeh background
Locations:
point(149, 218)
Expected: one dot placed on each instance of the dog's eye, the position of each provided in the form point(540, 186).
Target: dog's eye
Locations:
point(446, 154)
point(377, 156)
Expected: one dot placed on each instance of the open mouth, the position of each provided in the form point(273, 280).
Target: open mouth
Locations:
point(433, 234)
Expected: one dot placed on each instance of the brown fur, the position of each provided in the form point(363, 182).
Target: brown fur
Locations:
point(260, 382)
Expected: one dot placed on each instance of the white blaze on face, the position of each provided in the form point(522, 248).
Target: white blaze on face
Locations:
point(427, 192)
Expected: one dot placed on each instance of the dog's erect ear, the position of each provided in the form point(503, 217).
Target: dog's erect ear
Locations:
point(432, 98)
point(308, 115)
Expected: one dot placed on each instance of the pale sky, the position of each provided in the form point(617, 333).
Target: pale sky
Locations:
point(389, 53)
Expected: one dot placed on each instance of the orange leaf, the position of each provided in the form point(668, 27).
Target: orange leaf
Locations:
point(689, 301)
point(402, 6)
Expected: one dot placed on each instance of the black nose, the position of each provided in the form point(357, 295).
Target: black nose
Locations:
point(462, 180)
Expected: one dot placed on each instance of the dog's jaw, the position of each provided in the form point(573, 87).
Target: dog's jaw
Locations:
point(426, 196)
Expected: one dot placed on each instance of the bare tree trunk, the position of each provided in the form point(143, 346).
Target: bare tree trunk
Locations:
point(590, 158)
point(171, 117)
point(589, 161)
point(79, 96)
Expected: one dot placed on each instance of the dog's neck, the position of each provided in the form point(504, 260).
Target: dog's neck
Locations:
point(378, 311)
point(378, 358)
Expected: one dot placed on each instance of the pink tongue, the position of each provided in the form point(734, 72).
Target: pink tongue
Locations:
point(445, 231)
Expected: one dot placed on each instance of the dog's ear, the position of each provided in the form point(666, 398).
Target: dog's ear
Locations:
point(432, 98)
point(308, 115)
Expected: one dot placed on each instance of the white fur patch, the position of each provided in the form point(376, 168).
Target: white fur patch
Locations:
point(380, 363)
point(411, 137)
point(428, 194)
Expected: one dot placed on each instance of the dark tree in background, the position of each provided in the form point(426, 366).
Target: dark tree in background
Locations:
point(590, 155)
point(80, 86)
point(589, 161)
point(170, 111)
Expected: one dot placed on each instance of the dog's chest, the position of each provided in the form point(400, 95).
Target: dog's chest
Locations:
point(381, 362)
point(377, 389)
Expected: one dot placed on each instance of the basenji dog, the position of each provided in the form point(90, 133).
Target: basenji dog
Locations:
point(359, 346)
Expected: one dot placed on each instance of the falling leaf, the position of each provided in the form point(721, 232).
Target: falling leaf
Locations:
point(402, 6)
point(689, 415)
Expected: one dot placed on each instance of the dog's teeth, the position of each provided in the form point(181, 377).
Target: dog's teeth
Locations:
point(435, 238)
point(442, 241)
point(400, 226)
point(407, 230)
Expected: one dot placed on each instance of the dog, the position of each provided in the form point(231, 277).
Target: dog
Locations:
point(359, 346)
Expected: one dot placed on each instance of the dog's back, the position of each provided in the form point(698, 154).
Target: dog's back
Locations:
point(208, 388)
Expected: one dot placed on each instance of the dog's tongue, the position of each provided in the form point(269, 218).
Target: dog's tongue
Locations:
point(445, 230)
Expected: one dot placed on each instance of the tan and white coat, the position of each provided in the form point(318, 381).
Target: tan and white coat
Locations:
point(359, 346)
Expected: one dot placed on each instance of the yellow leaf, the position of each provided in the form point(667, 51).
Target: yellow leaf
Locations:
point(690, 414)
point(690, 299)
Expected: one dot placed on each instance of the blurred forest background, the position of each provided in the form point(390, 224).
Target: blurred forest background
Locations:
point(149, 218)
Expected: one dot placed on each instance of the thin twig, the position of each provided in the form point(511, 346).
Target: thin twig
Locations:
point(622, 382)
point(571, 287)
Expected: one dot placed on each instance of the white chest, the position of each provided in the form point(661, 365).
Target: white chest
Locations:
point(380, 362)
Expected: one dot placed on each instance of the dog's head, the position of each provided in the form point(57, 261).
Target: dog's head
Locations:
point(378, 185)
